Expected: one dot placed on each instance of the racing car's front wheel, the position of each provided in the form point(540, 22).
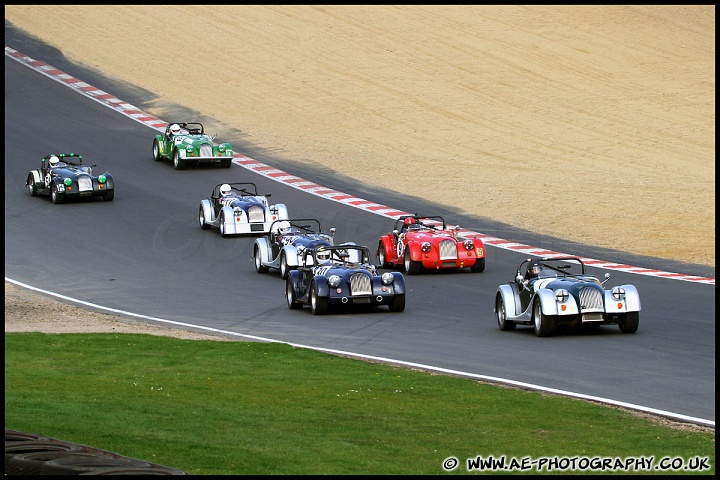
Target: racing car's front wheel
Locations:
point(318, 304)
point(284, 267)
point(56, 196)
point(411, 267)
point(259, 267)
point(544, 324)
point(290, 296)
point(397, 304)
point(109, 195)
point(201, 219)
point(629, 322)
point(178, 162)
point(31, 186)
point(382, 257)
point(222, 225)
point(478, 266)
point(501, 316)
point(156, 151)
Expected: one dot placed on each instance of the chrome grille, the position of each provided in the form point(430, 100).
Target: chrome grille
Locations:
point(448, 250)
point(206, 150)
point(256, 214)
point(591, 299)
point(360, 284)
point(84, 183)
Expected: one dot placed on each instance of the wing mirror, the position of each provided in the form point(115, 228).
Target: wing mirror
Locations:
point(607, 277)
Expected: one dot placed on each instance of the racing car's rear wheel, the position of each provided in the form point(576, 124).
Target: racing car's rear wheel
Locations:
point(156, 151)
point(398, 303)
point(31, 186)
point(544, 324)
point(411, 267)
point(629, 322)
point(201, 219)
point(501, 315)
point(259, 267)
point(478, 266)
point(56, 196)
point(292, 302)
point(318, 305)
point(178, 162)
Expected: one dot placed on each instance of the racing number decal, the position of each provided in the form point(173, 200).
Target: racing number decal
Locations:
point(400, 246)
point(322, 270)
point(48, 179)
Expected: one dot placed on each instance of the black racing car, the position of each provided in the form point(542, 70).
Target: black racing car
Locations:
point(63, 176)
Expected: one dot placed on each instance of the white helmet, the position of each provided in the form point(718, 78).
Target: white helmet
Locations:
point(323, 255)
point(281, 226)
point(54, 161)
point(175, 129)
point(225, 189)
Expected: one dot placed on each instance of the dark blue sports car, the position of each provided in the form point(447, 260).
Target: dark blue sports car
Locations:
point(342, 275)
point(63, 176)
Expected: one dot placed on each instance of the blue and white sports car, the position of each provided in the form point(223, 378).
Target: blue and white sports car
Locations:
point(282, 248)
point(552, 292)
point(239, 210)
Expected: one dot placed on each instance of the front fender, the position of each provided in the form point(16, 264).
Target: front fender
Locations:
point(280, 210)
point(321, 284)
point(264, 249)
point(109, 181)
point(631, 303)
point(399, 283)
point(550, 306)
point(387, 244)
point(510, 300)
point(208, 210)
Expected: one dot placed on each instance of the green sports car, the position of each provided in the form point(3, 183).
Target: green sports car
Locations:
point(186, 143)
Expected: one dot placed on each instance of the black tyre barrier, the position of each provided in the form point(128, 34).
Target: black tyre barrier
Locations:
point(31, 454)
point(32, 463)
point(155, 470)
point(75, 465)
point(18, 448)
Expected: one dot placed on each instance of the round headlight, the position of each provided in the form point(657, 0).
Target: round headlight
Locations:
point(618, 293)
point(469, 244)
point(68, 181)
point(562, 295)
point(387, 278)
point(102, 179)
point(425, 247)
point(334, 281)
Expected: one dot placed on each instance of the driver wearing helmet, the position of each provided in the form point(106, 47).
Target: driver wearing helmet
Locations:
point(226, 195)
point(533, 271)
point(53, 161)
point(174, 130)
point(323, 256)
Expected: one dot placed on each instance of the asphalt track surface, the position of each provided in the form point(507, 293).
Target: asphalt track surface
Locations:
point(144, 256)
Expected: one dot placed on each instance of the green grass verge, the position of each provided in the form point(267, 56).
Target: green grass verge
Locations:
point(212, 407)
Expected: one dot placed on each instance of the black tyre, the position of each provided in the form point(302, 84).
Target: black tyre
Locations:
point(226, 162)
point(544, 324)
point(284, 267)
point(222, 225)
point(156, 151)
point(629, 322)
point(109, 195)
point(201, 219)
point(290, 296)
point(398, 303)
point(411, 267)
point(382, 257)
point(32, 188)
point(501, 315)
point(478, 266)
point(76, 465)
point(178, 162)
point(318, 304)
point(32, 463)
point(56, 196)
point(259, 267)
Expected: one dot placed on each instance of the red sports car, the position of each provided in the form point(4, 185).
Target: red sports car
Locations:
point(419, 242)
